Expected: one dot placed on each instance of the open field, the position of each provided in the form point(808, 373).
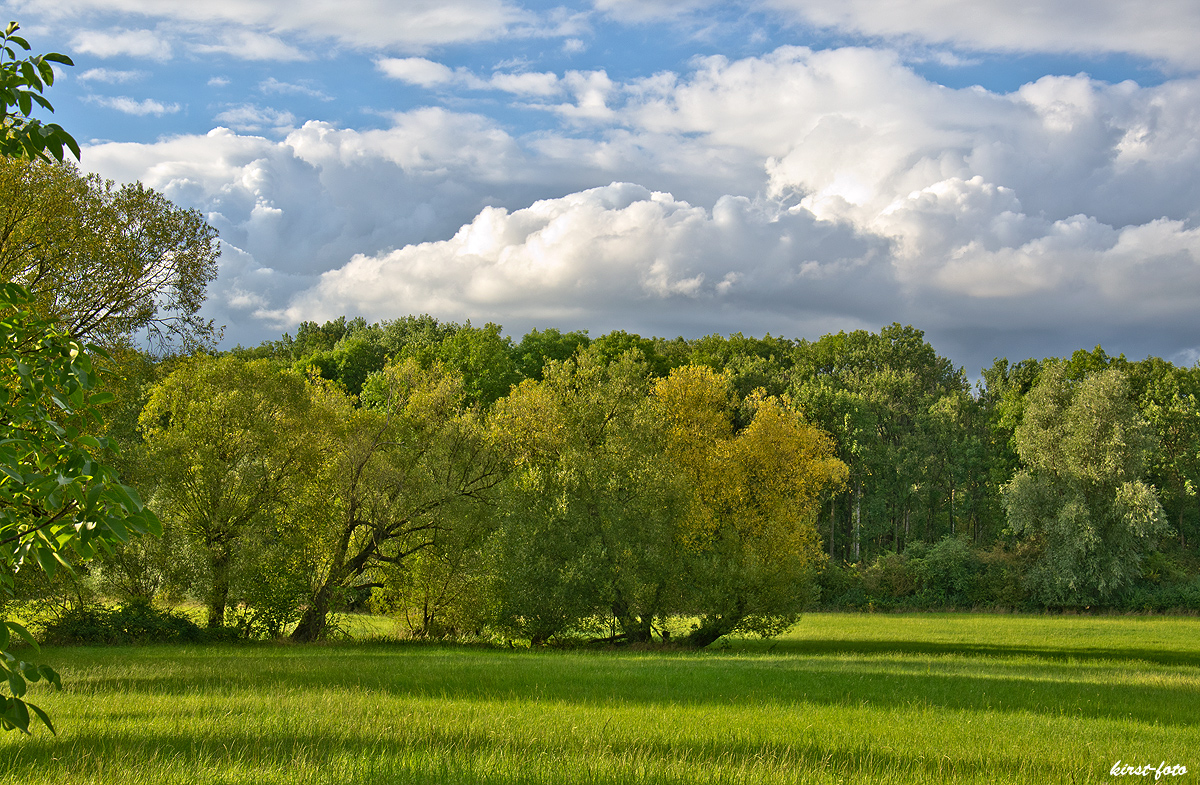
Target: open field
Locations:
point(842, 698)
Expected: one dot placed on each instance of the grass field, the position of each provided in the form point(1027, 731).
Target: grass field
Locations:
point(842, 698)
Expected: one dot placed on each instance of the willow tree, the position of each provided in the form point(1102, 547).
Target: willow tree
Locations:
point(589, 512)
point(635, 500)
point(748, 539)
point(104, 261)
point(395, 478)
point(231, 442)
point(1082, 499)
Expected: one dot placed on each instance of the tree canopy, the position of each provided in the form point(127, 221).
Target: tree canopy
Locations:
point(106, 262)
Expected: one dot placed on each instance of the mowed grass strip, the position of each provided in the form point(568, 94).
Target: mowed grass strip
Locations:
point(378, 713)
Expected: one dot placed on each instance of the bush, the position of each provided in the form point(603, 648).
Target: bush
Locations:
point(946, 573)
point(889, 579)
point(841, 587)
point(135, 622)
point(1001, 579)
point(1165, 597)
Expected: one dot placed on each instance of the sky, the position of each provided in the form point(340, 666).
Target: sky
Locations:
point(1016, 178)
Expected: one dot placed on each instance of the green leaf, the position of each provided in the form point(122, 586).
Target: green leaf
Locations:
point(55, 57)
point(45, 559)
point(16, 685)
point(43, 717)
point(21, 715)
point(50, 675)
point(24, 633)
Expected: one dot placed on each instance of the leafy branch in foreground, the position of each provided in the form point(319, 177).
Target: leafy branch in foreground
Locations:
point(55, 494)
point(22, 82)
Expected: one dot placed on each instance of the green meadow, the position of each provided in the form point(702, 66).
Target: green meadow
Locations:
point(954, 698)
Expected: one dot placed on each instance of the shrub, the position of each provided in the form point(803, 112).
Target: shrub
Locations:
point(135, 622)
point(1165, 597)
point(841, 586)
point(889, 579)
point(1001, 578)
point(946, 573)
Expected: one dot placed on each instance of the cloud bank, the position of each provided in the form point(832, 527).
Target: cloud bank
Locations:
point(797, 192)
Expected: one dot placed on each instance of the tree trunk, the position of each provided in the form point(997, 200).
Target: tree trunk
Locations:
point(218, 593)
point(713, 627)
point(314, 621)
point(857, 521)
point(636, 630)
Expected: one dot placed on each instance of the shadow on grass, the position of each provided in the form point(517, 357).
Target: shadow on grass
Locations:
point(448, 755)
point(835, 676)
point(822, 646)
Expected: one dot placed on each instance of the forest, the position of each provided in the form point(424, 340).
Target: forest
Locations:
point(565, 486)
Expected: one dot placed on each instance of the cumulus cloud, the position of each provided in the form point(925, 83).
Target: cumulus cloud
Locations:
point(795, 192)
point(609, 253)
point(1069, 202)
point(591, 91)
point(1165, 30)
point(127, 105)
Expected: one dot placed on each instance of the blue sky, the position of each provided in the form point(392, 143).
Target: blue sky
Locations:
point(1015, 177)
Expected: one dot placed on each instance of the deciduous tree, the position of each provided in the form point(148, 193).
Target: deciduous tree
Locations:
point(231, 442)
point(104, 261)
point(396, 477)
point(1082, 498)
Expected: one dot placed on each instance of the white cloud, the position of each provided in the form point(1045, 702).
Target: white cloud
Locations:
point(428, 74)
point(218, 81)
point(1164, 30)
point(416, 70)
point(534, 84)
point(249, 45)
point(273, 85)
point(591, 91)
point(651, 10)
point(132, 106)
point(110, 76)
point(608, 253)
point(252, 118)
point(414, 26)
point(111, 43)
